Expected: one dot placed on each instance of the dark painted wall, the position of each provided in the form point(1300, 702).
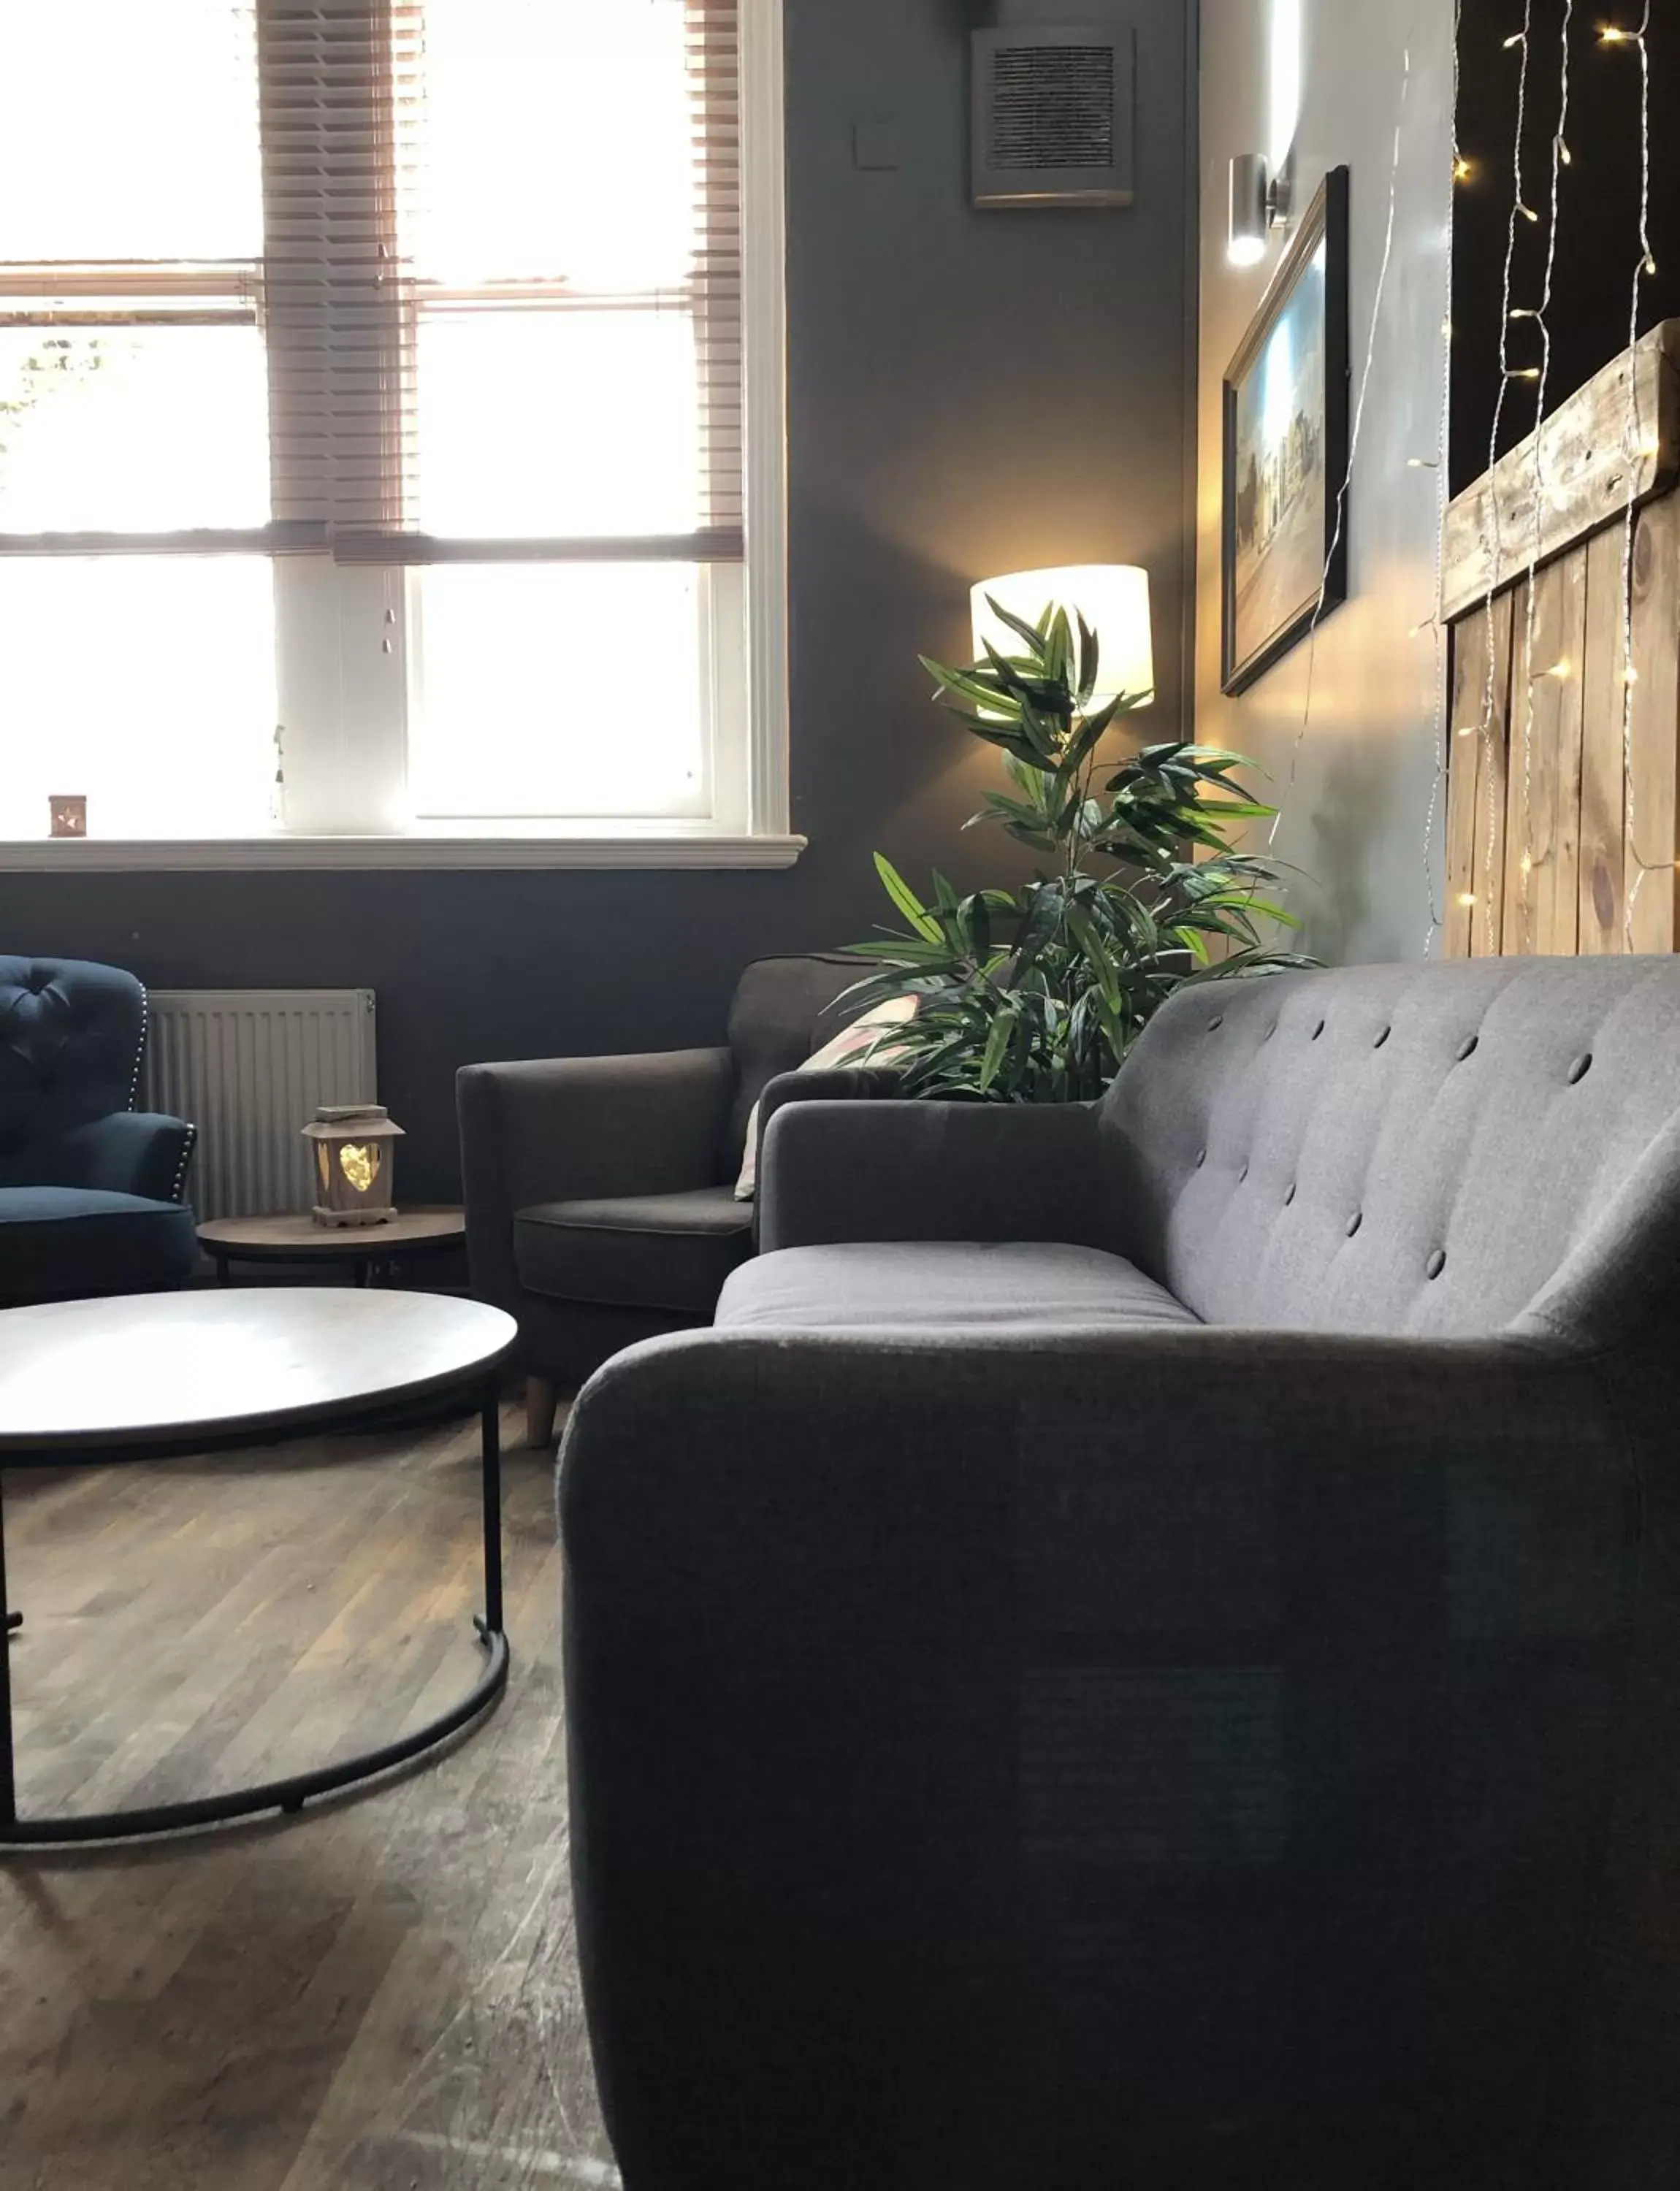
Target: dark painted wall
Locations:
point(971, 393)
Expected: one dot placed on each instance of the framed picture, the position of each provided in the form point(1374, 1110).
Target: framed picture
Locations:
point(1284, 549)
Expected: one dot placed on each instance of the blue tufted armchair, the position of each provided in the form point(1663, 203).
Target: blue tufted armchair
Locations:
point(91, 1190)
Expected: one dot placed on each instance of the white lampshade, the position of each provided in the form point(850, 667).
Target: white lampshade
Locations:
point(1113, 598)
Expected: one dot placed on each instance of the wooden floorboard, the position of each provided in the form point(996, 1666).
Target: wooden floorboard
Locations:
point(380, 1996)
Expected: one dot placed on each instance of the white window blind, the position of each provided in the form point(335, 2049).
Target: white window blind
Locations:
point(365, 365)
point(503, 277)
point(481, 262)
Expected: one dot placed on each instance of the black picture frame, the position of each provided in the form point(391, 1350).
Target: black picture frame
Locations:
point(1245, 656)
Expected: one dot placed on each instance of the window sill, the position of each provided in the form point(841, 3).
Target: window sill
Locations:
point(619, 849)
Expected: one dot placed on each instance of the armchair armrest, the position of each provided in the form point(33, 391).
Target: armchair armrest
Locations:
point(129, 1153)
point(558, 1129)
point(930, 1171)
point(1089, 1696)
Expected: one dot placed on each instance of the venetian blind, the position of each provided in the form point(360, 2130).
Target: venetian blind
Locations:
point(502, 277)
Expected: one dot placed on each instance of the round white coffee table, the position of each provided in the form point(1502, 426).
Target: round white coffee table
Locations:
point(121, 1379)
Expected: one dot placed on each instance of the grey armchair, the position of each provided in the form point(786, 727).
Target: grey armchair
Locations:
point(1145, 1649)
point(599, 1190)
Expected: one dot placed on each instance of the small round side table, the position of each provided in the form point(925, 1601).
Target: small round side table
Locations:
point(372, 1251)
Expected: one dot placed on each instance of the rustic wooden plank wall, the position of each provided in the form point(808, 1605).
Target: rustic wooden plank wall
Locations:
point(1563, 804)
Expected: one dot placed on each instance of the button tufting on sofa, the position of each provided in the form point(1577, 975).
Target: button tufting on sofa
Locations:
point(1039, 1517)
point(1580, 1069)
point(1382, 1038)
point(1319, 1029)
point(1468, 1047)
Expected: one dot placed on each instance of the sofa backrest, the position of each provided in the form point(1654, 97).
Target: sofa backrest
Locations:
point(784, 1009)
point(70, 1033)
point(1406, 1149)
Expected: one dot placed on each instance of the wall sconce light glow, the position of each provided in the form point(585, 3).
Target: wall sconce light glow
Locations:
point(1250, 218)
point(1113, 598)
point(1284, 102)
point(1260, 199)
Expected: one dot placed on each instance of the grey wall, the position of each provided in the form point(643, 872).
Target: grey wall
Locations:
point(1356, 784)
point(970, 393)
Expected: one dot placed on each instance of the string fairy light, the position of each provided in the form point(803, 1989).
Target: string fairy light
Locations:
point(1339, 531)
point(1638, 442)
point(1462, 170)
point(1633, 434)
point(1494, 547)
point(1543, 495)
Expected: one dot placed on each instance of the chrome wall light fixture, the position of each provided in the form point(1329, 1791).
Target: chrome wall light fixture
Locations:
point(1260, 201)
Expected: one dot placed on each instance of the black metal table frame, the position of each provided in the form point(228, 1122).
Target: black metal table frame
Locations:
point(371, 1270)
point(291, 1794)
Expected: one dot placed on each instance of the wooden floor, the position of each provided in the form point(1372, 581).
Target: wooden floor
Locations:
point(381, 1995)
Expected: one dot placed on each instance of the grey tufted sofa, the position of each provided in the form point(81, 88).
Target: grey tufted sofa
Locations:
point(1145, 1649)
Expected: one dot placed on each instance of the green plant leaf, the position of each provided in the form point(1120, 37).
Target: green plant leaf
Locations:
point(1037, 994)
point(1031, 635)
point(906, 900)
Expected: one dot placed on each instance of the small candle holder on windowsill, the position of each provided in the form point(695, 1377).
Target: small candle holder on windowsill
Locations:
point(353, 1162)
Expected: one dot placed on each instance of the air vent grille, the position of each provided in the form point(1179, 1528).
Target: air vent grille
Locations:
point(1055, 114)
point(1052, 107)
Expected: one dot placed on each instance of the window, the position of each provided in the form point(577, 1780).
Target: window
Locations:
point(389, 429)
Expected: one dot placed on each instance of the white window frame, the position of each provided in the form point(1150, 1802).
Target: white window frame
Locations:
point(349, 704)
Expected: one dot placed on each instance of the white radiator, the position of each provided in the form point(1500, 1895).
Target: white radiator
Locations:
point(247, 1067)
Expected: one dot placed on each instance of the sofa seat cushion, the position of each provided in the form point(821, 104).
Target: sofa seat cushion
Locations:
point(664, 1251)
point(59, 1242)
point(1023, 1286)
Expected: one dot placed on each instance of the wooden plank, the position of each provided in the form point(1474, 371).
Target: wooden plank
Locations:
point(1560, 649)
point(1603, 790)
point(1528, 773)
point(1494, 740)
point(1469, 658)
point(1561, 485)
point(1654, 790)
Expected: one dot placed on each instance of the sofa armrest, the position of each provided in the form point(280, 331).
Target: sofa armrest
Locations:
point(129, 1153)
point(930, 1171)
point(558, 1129)
point(1088, 1698)
point(837, 1084)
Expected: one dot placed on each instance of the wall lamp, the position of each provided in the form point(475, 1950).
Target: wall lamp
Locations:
point(1260, 201)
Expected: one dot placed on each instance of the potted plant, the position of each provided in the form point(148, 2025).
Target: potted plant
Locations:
point(1035, 995)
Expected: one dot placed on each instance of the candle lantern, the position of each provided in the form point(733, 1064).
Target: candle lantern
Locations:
point(353, 1145)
